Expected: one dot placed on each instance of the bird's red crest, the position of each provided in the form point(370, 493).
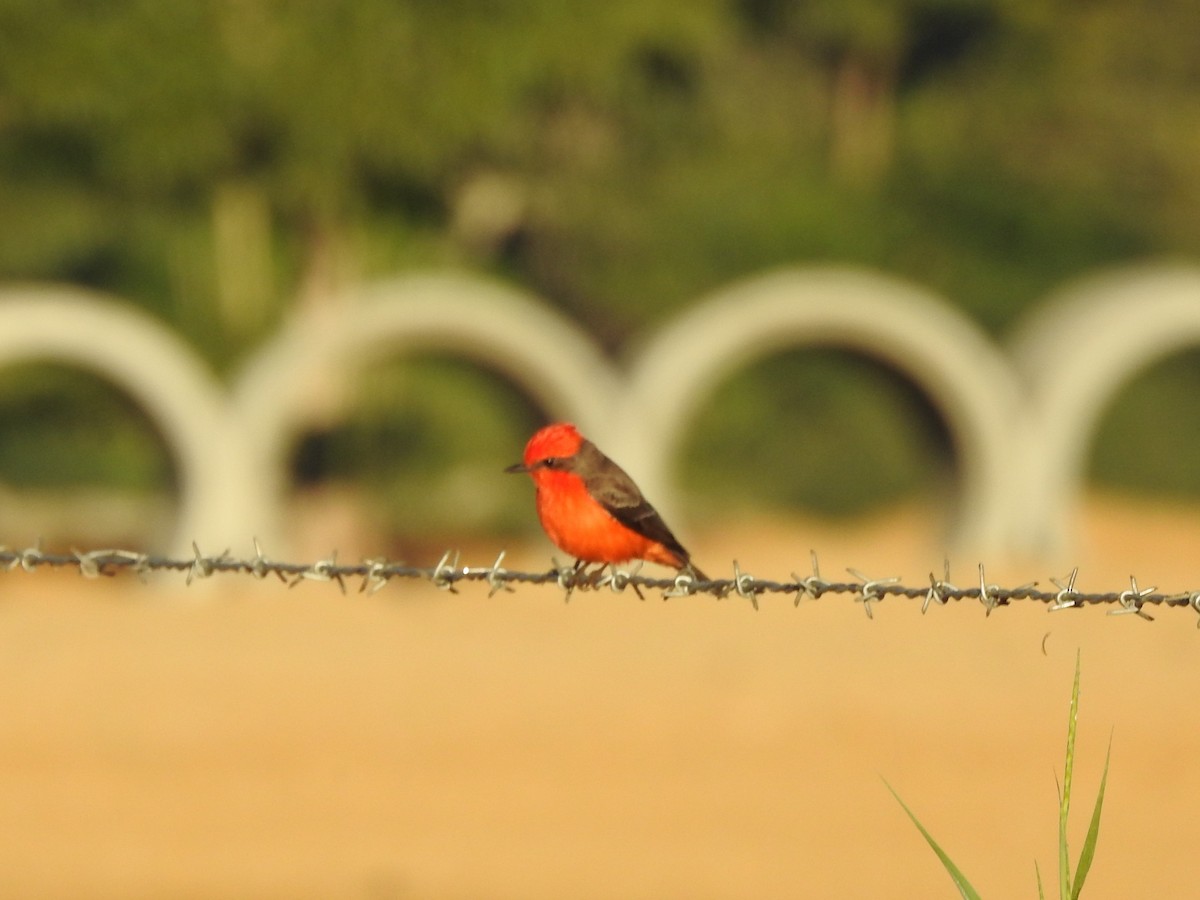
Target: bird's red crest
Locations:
point(559, 439)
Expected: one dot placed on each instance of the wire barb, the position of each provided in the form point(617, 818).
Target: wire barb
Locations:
point(565, 575)
point(618, 581)
point(1066, 598)
point(988, 593)
point(321, 570)
point(32, 556)
point(443, 575)
point(684, 585)
point(203, 566)
point(1132, 599)
point(260, 566)
point(745, 585)
point(938, 589)
point(868, 590)
point(375, 577)
point(814, 585)
point(497, 578)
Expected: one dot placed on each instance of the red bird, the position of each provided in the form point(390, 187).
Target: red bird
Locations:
point(591, 509)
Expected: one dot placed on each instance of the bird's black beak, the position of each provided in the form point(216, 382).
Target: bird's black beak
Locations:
point(517, 469)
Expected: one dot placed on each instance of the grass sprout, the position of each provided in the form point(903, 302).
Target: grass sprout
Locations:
point(1069, 884)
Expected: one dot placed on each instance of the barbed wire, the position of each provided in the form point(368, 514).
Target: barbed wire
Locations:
point(447, 574)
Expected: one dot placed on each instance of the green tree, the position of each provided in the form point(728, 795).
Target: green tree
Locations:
point(267, 134)
point(214, 160)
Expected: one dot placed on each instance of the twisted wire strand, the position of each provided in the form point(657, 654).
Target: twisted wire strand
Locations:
point(448, 573)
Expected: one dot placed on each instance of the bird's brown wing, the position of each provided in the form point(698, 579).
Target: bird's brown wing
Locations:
point(619, 495)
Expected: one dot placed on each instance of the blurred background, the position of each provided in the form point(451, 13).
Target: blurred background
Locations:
point(230, 166)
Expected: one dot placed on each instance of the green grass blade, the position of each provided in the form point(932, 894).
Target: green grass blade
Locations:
point(960, 880)
point(1064, 862)
point(1041, 892)
point(1089, 844)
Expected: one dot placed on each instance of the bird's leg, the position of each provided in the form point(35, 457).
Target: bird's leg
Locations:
point(594, 578)
point(637, 590)
point(585, 579)
point(579, 574)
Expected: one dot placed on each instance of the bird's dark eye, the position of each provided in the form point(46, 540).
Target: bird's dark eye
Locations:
point(552, 462)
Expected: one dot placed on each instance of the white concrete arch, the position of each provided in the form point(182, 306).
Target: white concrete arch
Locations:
point(1075, 353)
point(499, 327)
point(911, 330)
point(146, 360)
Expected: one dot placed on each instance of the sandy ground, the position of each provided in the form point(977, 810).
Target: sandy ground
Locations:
point(259, 742)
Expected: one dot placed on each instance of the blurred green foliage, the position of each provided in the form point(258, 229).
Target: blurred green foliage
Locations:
point(421, 441)
point(1147, 442)
point(834, 434)
point(214, 161)
point(62, 427)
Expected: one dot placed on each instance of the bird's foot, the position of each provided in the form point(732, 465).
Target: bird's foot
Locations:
point(585, 580)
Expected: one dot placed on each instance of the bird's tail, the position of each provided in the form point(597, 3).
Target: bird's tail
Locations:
point(692, 569)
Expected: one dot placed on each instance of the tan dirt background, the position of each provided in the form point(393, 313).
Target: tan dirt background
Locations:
point(259, 742)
